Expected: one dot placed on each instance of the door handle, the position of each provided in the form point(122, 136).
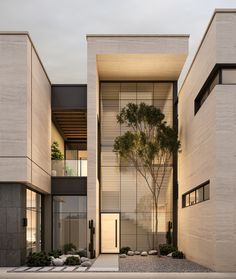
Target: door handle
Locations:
point(116, 233)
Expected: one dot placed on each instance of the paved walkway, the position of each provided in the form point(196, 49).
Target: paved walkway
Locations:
point(106, 263)
point(49, 269)
point(111, 275)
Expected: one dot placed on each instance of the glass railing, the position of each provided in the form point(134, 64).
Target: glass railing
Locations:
point(69, 167)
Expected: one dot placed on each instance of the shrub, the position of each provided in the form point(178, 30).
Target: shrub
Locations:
point(55, 253)
point(56, 152)
point(72, 261)
point(82, 253)
point(38, 259)
point(166, 249)
point(178, 255)
point(69, 247)
point(125, 250)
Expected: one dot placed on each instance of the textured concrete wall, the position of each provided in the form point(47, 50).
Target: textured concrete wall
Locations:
point(207, 230)
point(25, 114)
point(12, 231)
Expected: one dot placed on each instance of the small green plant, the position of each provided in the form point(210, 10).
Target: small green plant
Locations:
point(166, 249)
point(68, 247)
point(125, 250)
point(38, 259)
point(55, 253)
point(178, 255)
point(56, 152)
point(82, 253)
point(69, 171)
point(72, 261)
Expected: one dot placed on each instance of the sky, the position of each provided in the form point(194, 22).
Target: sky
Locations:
point(58, 28)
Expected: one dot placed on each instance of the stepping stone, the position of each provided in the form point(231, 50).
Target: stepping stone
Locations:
point(81, 268)
point(34, 269)
point(58, 268)
point(69, 268)
point(104, 269)
point(20, 269)
point(46, 268)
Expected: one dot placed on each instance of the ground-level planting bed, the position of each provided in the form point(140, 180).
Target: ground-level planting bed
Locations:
point(153, 263)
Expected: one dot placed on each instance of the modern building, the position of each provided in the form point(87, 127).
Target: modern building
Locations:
point(45, 204)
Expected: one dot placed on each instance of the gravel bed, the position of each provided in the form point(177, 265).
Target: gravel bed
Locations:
point(156, 264)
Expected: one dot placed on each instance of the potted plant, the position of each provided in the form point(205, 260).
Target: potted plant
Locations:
point(56, 154)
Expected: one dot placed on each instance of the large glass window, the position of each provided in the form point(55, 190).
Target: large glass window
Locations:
point(70, 221)
point(33, 213)
point(122, 188)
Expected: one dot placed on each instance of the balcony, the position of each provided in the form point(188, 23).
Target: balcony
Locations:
point(74, 168)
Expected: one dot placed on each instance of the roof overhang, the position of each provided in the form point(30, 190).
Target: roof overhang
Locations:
point(139, 57)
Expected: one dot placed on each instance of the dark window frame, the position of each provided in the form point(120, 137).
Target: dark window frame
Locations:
point(207, 87)
point(194, 190)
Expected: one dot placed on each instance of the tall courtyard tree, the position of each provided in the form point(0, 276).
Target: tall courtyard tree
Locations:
point(148, 145)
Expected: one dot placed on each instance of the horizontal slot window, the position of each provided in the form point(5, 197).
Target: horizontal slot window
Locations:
point(198, 194)
point(221, 74)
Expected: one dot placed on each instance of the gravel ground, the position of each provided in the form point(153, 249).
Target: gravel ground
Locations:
point(155, 264)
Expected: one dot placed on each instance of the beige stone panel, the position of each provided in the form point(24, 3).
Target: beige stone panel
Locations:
point(140, 66)
point(56, 136)
point(15, 170)
point(204, 62)
point(225, 37)
point(41, 116)
point(13, 95)
point(139, 58)
point(196, 164)
point(29, 99)
point(225, 190)
point(92, 117)
point(40, 179)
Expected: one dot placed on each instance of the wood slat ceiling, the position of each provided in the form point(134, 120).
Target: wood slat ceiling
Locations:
point(72, 124)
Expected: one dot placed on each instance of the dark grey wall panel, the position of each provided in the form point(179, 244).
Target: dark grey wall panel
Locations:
point(66, 96)
point(12, 230)
point(69, 185)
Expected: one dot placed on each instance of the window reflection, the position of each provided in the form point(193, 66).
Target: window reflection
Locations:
point(69, 221)
point(33, 214)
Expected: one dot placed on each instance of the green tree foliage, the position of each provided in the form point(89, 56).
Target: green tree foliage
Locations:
point(149, 145)
point(56, 152)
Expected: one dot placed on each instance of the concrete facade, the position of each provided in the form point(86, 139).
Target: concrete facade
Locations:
point(25, 109)
point(207, 230)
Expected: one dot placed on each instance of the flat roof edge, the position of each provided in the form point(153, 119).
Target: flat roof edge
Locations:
point(202, 40)
point(137, 35)
point(26, 33)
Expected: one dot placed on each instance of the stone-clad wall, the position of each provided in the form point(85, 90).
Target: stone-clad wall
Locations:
point(12, 231)
point(207, 230)
point(25, 114)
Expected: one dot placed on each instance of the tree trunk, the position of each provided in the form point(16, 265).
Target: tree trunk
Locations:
point(156, 242)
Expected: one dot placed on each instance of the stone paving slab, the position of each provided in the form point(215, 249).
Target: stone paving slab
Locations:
point(106, 263)
point(69, 268)
point(46, 269)
point(81, 268)
point(20, 269)
point(33, 269)
point(58, 268)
